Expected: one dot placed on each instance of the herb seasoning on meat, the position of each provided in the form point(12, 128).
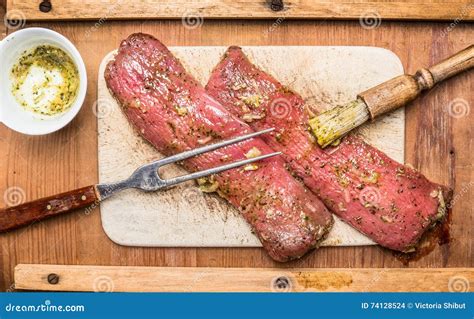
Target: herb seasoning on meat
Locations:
point(390, 203)
point(287, 218)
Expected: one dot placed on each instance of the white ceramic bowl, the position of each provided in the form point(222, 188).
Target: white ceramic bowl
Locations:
point(12, 114)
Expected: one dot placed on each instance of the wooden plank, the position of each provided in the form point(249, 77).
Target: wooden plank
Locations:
point(373, 11)
point(439, 145)
point(197, 279)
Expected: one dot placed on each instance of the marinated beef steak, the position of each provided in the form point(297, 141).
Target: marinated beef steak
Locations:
point(389, 202)
point(173, 112)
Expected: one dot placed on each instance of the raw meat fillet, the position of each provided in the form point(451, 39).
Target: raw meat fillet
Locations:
point(170, 109)
point(389, 202)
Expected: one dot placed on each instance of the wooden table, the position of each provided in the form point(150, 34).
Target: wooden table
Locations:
point(439, 145)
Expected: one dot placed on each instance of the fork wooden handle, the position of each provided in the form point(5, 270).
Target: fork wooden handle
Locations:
point(28, 213)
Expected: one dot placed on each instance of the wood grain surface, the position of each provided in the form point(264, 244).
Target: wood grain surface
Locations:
point(439, 142)
point(187, 279)
point(248, 9)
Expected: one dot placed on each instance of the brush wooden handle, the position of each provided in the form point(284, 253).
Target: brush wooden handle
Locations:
point(398, 91)
point(28, 213)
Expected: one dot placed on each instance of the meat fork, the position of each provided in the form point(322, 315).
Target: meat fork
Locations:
point(145, 177)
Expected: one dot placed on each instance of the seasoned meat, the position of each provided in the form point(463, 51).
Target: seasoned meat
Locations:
point(389, 202)
point(170, 109)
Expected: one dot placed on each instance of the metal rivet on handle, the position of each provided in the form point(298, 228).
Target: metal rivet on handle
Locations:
point(45, 6)
point(53, 279)
point(277, 5)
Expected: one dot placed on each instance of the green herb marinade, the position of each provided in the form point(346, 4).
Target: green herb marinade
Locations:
point(49, 58)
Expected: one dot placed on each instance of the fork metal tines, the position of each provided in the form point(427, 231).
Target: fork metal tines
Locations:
point(146, 177)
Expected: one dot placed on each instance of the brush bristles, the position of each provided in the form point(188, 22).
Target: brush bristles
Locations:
point(331, 125)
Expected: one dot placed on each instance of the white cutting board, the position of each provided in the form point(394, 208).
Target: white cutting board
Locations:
point(185, 217)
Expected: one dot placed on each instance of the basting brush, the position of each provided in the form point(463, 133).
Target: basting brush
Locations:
point(331, 125)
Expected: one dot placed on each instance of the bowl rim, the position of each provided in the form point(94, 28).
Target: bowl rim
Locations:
point(59, 121)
